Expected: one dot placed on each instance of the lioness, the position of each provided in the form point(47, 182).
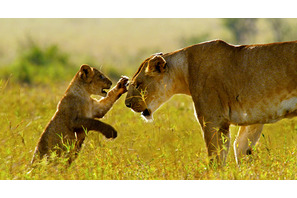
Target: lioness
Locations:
point(246, 85)
point(76, 112)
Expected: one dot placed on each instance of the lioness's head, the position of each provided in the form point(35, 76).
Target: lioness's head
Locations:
point(93, 80)
point(150, 86)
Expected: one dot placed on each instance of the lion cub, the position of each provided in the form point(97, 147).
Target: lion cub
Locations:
point(76, 112)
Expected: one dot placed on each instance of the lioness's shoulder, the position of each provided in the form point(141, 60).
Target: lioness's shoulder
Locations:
point(216, 42)
point(211, 44)
point(209, 47)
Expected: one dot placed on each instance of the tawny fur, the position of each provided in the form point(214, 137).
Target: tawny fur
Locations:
point(76, 112)
point(246, 85)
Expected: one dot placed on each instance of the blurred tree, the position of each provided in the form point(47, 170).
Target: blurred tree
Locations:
point(281, 29)
point(242, 29)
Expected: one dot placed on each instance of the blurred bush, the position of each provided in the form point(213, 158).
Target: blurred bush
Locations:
point(35, 64)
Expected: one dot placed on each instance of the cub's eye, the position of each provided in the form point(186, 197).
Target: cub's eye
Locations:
point(101, 77)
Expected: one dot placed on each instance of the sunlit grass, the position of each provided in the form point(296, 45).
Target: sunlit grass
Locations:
point(171, 147)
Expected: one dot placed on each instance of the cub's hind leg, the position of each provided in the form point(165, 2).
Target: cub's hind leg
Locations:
point(80, 136)
point(82, 125)
point(246, 139)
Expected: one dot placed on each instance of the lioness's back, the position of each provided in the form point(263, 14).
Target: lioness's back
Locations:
point(251, 77)
point(272, 64)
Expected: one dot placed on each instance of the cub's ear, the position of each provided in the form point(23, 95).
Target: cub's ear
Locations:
point(156, 65)
point(86, 73)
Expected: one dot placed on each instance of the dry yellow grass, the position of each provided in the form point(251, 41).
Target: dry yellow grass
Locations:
point(171, 147)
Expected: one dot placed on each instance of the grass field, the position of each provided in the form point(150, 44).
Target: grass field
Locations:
point(170, 148)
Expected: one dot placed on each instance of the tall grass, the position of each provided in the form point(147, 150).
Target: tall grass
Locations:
point(171, 147)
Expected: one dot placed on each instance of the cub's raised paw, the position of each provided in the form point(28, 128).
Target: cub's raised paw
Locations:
point(122, 84)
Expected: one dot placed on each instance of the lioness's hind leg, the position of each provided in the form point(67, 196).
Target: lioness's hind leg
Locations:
point(246, 139)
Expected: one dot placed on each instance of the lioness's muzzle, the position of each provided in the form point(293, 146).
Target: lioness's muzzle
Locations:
point(146, 112)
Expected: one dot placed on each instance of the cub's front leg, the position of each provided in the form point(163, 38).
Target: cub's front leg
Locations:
point(102, 106)
point(88, 124)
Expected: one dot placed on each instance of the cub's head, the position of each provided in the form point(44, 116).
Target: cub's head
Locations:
point(93, 80)
point(150, 86)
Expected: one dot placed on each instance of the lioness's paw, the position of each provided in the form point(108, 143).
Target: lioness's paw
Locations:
point(122, 84)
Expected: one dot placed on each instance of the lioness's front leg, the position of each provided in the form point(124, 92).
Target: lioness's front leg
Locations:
point(246, 139)
point(217, 140)
point(95, 125)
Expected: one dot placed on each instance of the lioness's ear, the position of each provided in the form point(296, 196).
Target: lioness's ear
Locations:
point(86, 73)
point(156, 65)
